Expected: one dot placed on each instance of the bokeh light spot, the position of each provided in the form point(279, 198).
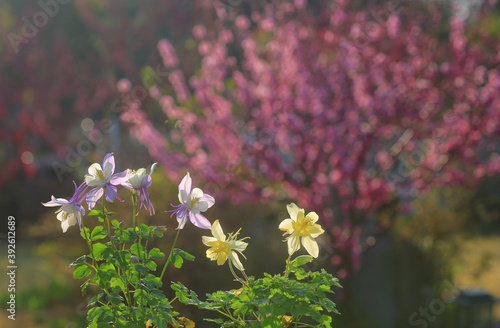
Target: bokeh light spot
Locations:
point(27, 157)
point(87, 124)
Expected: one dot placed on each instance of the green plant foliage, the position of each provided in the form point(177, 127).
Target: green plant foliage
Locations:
point(271, 301)
point(123, 270)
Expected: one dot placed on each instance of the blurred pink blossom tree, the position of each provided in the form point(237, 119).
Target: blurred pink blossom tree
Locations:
point(60, 62)
point(342, 110)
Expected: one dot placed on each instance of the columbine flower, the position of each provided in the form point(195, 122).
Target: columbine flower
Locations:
point(222, 248)
point(301, 229)
point(193, 202)
point(140, 181)
point(104, 179)
point(71, 210)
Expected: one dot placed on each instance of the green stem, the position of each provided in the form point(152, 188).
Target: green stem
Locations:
point(135, 223)
point(234, 274)
point(107, 226)
point(227, 313)
point(134, 197)
point(169, 259)
point(287, 270)
point(89, 243)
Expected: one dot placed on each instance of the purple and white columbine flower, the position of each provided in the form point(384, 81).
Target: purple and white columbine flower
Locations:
point(71, 210)
point(104, 179)
point(193, 202)
point(140, 181)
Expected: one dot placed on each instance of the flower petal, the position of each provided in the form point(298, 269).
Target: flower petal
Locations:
point(238, 245)
point(79, 220)
point(312, 216)
point(301, 215)
point(110, 193)
point(120, 178)
point(181, 215)
point(185, 188)
point(315, 230)
point(152, 169)
point(201, 206)
point(127, 184)
point(236, 261)
point(286, 225)
point(221, 258)
point(94, 168)
point(108, 165)
point(146, 181)
point(93, 196)
point(217, 231)
point(136, 178)
point(199, 220)
point(208, 240)
point(56, 202)
point(293, 210)
point(196, 193)
point(311, 246)
point(67, 220)
point(92, 179)
point(293, 244)
point(64, 225)
point(207, 199)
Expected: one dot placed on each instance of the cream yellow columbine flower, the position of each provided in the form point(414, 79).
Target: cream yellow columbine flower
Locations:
point(301, 229)
point(222, 248)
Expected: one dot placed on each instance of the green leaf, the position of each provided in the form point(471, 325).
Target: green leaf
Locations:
point(301, 274)
point(138, 250)
point(122, 259)
point(117, 282)
point(98, 233)
point(326, 320)
point(115, 223)
point(151, 265)
point(79, 261)
point(93, 301)
point(184, 254)
point(303, 259)
point(153, 282)
point(94, 213)
point(156, 254)
point(114, 298)
point(149, 77)
point(142, 269)
point(271, 322)
point(177, 260)
point(100, 251)
point(85, 233)
point(81, 271)
point(105, 272)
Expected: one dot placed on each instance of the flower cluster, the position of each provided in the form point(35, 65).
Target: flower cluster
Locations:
point(103, 180)
point(300, 227)
point(125, 261)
